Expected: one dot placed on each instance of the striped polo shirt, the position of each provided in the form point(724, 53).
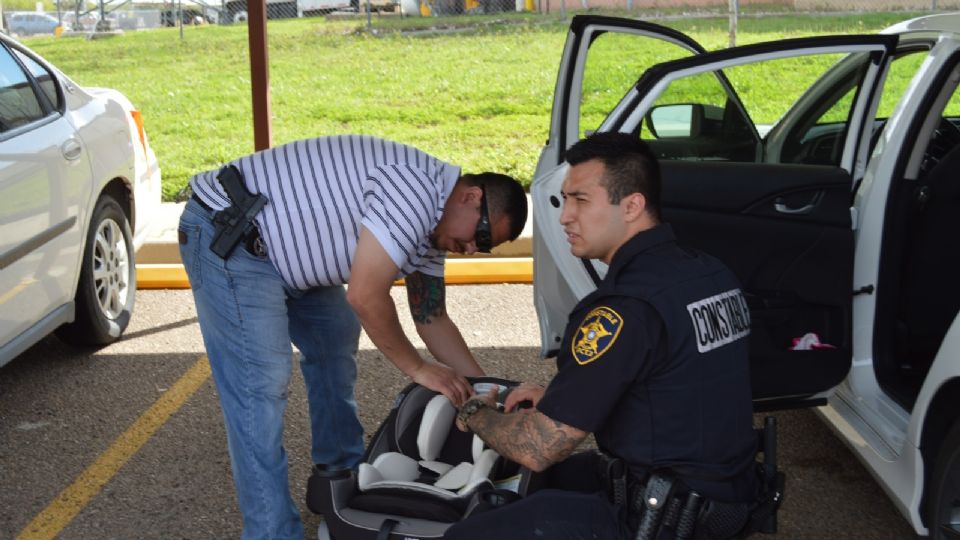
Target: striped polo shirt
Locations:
point(322, 191)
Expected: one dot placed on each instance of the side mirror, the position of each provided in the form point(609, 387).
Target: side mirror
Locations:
point(682, 120)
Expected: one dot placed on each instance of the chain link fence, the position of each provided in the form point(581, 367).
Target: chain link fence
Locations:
point(750, 6)
point(124, 15)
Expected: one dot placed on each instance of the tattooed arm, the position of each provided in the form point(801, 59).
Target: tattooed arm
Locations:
point(371, 277)
point(427, 298)
point(527, 437)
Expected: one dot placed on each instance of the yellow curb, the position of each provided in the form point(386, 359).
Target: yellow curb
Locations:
point(457, 272)
point(161, 276)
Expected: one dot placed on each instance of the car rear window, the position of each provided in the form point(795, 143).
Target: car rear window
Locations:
point(18, 101)
point(46, 80)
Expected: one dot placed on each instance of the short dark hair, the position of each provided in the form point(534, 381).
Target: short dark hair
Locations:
point(630, 166)
point(505, 196)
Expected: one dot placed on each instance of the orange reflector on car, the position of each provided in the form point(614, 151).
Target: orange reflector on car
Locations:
point(138, 120)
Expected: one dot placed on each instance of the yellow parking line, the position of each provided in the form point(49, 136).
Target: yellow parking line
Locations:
point(59, 513)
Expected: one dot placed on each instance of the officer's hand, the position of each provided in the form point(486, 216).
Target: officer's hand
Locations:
point(491, 400)
point(440, 378)
point(523, 392)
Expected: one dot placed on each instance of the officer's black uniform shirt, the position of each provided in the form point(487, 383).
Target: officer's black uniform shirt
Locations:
point(654, 363)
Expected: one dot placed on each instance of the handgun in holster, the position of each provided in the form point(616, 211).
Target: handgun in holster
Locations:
point(234, 223)
point(652, 502)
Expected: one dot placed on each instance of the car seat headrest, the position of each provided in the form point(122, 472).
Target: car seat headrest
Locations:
point(438, 417)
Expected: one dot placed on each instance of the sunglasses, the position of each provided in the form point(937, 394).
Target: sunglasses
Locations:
point(482, 236)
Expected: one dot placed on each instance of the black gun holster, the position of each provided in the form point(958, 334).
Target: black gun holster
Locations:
point(234, 223)
point(650, 503)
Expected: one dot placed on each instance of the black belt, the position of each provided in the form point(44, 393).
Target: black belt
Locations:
point(199, 201)
point(252, 241)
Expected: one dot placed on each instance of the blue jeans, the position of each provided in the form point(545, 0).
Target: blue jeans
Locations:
point(249, 317)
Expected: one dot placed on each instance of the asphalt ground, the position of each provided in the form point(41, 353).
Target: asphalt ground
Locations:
point(127, 442)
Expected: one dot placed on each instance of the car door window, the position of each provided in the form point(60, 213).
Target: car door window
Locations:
point(694, 119)
point(704, 122)
point(18, 101)
point(901, 72)
point(614, 64)
point(45, 79)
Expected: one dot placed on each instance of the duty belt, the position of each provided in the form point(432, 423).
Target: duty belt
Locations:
point(655, 503)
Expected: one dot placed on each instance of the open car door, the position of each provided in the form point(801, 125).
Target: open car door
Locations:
point(602, 59)
point(758, 148)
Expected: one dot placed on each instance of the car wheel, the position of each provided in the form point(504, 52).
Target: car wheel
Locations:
point(108, 279)
point(240, 16)
point(945, 489)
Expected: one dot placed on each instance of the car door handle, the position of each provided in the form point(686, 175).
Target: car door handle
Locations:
point(780, 206)
point(71, 150)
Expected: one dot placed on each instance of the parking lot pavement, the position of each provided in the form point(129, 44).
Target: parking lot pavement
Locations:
point(62, 411)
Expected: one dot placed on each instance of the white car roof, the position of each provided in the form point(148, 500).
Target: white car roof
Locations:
point(948, 23)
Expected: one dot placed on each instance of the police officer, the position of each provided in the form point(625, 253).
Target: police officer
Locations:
point(653, 363)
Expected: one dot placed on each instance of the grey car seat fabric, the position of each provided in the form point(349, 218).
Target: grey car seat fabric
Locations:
point(395, 471)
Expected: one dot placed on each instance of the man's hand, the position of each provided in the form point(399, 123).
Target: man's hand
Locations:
point(523, 392)
point(440, 378)
point(490, 398)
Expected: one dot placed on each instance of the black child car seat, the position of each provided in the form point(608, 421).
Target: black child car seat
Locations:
point(419, 475)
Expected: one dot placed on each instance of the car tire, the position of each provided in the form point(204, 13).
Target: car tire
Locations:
point(108, 279)
point(945, 489)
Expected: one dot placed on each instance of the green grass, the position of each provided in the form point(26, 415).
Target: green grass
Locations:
point(476, 91)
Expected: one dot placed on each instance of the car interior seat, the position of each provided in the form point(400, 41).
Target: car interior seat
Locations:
point(930, 294)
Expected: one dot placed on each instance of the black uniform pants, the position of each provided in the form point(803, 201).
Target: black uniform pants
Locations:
point(571, 505)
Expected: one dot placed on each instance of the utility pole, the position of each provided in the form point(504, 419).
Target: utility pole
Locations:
point(259, 73)
point(734, 15)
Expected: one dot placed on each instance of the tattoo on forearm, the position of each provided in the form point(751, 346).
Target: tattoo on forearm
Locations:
point(526, 436)
point(426, 296)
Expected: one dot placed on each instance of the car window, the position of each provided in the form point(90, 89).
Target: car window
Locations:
point(902, 69)
point(46, 80)
point(615, 62)
point(712, 127)
point(901, 72)
point(694, 119)
point(18, 102)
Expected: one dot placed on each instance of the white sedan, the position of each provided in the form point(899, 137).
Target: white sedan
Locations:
point(824, 172)
point(78, 182)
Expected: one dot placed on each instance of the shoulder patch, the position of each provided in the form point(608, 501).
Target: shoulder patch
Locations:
point(597, 332)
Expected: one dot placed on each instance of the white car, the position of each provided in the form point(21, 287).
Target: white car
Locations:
point(30, 23)
point(825, 171)
point(78, 182)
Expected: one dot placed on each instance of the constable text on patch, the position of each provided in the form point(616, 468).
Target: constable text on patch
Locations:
point(720, 319)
